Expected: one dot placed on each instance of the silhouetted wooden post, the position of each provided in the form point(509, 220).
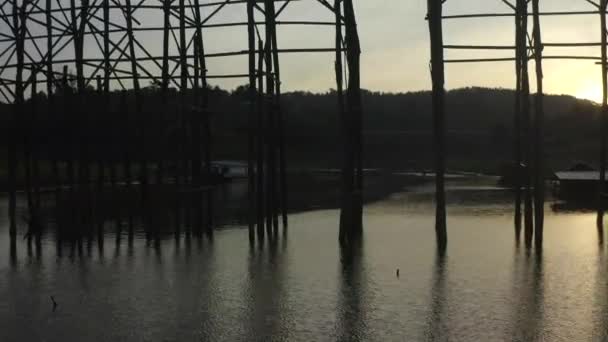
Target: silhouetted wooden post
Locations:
point(261, 205)
point(276, 174)
point(539, 179)
point(69, 119)
point(346, 185)
point(106, 47)
point(517, 125)
point(438, 96)
point(351, 226)
point(183, 61)
point(50, 76)
point(280, 120)
point(80, 113)
point(207, 137)
point(251, 189)
point(35, 140)
point(143, 165)
point(353, 54)
point(106, 91)
point(525, 102)
point(201, 108)
point(270, 140)
point(271, 124)
point(102, 112)
point(126, 137)
point(19, 16)
point(164, 90)
point(28, 157)
point(603, 118)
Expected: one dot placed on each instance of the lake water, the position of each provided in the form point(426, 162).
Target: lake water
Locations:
point(301, 287)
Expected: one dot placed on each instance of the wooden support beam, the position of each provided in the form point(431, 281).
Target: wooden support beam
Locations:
point(68, 115)
point(498, 15)
point(206, 122)
point(35, 147)
point(19, 32)
point(124, 57)
point(270, 128)
point(190, 26)
point(438, 98)
point(182, 160)
point(346, 184)
point(106, 46)
point(539, 174)
point(161, 150)
point(138, 118)
point(26, 122)
point(79, 119)
point(50, 77)
point(261, 134)
point(517, 160)
point(526, 120)
point(351, 225)
point(103, 115)
point(603, 116)
point(141, 5)
point(284, 201)
point(280, 196)
point(251, 146)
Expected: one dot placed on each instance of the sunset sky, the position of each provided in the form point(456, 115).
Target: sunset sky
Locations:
point(395, 44)
point(394, 37)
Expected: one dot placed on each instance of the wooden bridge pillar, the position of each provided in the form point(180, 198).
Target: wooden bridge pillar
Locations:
point(438, 95)
point(603, 117)
point(351, 225)
point(539, 175)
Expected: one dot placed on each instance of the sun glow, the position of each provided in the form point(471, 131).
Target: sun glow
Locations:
point(590, 92)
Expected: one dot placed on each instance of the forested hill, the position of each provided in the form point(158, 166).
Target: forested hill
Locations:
point(397, 127)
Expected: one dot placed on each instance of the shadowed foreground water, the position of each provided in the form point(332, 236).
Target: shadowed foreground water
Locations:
point(302, 287)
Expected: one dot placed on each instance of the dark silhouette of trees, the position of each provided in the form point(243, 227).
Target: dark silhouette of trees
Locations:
point(397, 128)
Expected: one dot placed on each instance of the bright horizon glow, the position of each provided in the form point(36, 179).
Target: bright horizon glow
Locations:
point(590, 92)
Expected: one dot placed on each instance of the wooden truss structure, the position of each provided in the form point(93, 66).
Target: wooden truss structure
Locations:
point(119, 44)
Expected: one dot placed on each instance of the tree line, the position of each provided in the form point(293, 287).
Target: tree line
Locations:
point(397, 127)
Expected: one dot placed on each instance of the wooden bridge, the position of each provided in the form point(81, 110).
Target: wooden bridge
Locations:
point(113, 44)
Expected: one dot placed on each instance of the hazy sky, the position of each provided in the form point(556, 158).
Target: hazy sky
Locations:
point(395, 45)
